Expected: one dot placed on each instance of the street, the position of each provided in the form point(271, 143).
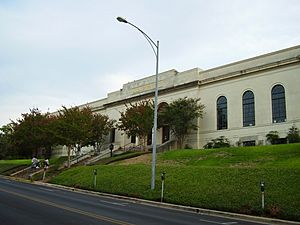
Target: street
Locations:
point(29, 204)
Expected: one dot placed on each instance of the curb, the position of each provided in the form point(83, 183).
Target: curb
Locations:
point(202, 211)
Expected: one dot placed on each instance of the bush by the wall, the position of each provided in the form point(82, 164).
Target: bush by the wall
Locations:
point(220, 142)
point(273, 137)
point(293, 135)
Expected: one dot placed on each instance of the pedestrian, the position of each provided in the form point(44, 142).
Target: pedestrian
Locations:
point(46, 166)
point(37, 164)
point(34, 162)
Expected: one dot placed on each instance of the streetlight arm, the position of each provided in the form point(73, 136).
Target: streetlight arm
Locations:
point(150, 41)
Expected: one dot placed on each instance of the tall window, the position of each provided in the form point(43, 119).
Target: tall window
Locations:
point(133, 139)
point(278, 104)
point(248, 109)
point(112, 135)
point(222, 113)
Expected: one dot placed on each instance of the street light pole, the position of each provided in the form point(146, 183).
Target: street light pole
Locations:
point(155, 48)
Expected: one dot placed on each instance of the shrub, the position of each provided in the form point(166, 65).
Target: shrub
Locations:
point(246, 209)
point(187, 146)
point(293, 135)
point(274, 210)
point(273, 137)
point(220, 142)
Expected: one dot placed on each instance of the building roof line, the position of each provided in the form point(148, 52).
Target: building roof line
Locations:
point(252, 70)
point(252, 58)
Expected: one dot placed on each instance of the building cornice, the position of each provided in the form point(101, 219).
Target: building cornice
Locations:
point(270, 54)
point(151, 94)
point(251, 70)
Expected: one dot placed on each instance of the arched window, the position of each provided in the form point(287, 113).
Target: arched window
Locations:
point(278, 104)
point(222, 113)
point(248, 109)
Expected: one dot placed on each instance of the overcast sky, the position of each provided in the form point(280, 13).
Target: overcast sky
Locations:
point(70, 52)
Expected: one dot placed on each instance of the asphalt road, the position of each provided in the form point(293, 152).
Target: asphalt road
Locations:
point(29, 204)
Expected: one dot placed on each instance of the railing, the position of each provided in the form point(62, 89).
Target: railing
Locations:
point(101, 155)
point(79, 158)
point(20, 171)
point(168, 145)
point(131, 147)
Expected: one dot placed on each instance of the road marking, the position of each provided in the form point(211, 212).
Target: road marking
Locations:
point(92, 215)
point(7, 181)
point(215, 222)
point(45, 189)
point(209, 221)
point(114, 203)
point(228, 223)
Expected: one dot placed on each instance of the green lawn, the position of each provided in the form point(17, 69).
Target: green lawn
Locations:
point(283, 156)
point(6, 165)
point(221, 179)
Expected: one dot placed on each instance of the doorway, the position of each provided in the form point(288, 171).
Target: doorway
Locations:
point(165, 134)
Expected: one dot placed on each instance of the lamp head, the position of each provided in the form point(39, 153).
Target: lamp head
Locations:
point(122, 20)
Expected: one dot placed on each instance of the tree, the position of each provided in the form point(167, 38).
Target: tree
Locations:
point(7, 149)
point(293, 135)
point(137, 120)
point(180, 115)
point(31, 134)
point(101, 125)
point(74, 128)
point(273, 137)
point(50, 137)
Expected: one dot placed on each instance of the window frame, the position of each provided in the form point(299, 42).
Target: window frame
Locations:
point(278, 103)
point(248, 109)
point(222, 113)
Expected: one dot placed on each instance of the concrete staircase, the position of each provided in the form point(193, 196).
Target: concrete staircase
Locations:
point(103, 154)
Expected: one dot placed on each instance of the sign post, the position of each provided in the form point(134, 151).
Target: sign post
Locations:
point(111, 147)
point(262, 189)
point(163, 174)
point(44, 173)
point(95, 178)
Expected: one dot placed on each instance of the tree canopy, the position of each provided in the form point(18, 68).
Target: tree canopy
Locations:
point(180, 115)
point(137, 119)
point(101, 125)
point(35, 133)
point(7, 149)
point(74, 128)
point(31, 133)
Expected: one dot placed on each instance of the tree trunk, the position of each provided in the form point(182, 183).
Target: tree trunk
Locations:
point(69, 156)
point(98, 146)
point(180, 141)
point(145, 143)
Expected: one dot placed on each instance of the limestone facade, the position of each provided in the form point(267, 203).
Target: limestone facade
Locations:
point(258, 75)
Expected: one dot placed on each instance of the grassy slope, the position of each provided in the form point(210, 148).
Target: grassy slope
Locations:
point(6, 165)
point(224, 179)
point(283, 156)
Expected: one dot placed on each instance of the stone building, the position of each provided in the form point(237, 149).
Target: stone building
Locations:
point(243, 100)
